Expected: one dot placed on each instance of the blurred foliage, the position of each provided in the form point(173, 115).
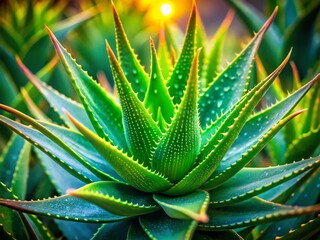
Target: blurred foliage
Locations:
point(297, 25)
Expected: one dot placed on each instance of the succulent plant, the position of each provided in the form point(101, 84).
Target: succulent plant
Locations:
point(167, 159)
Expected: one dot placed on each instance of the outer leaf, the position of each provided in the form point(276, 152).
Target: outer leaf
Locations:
point(116, 230)
point(9, 158)
point(117, 198)
point(57, 100)
point(230, 84)
point(179, 147)
point(256, 133)
point(131, 66)
point(193, 205)
point(214, 56)
point(217, 235)
point(252, 212)
point(64, 207)
point(212, 154)
point(253, 181)
point(136, 232)
point(104, 113)
point(135, 116)
point(160, 226)
point(130, 170)
point(157, 97)
point(77, 230)
point(304, 195)
point(60, 177)
point(272, 43)
point(11, 221)
point(51, 149)
point(19, 181)
point(64, 142)
point(84, 149)
point(164, 55)
point(303, 146)
point(304, 232)
point(179, 77)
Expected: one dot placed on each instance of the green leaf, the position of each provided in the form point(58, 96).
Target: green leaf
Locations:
point(214, 57)
point(117, 198)
point(305, 194)
point(212, 153)
point(304, 232)
point(64, 207)
point(179, 77)
point(164, 55)
point(217, 235)
point(256, 133)
point(136, 232)
point(251, 212)
point(61, 179)
point(191, 206)
point(252, 181)
point(131, 66)
point(104, 113)
point(160, 226)
point(229, 85)
point(62, 142)
point(58, 154)
point(11, 221)
point(135, 116)
point(19, 181)
point(41, 231)
point(303, 146)
point(130, 170)
point(179, 147)
point(272, 43)
point(85, 150)
point(303, 35)
point(9, 158)
point(157, 96)
point(116, 230)
point(57, 100)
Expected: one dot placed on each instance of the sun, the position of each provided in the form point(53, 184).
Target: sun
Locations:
point(166, 9)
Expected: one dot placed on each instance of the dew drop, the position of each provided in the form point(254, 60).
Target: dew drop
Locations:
point(176, 86)
point(134, 71)
point(137, 80)
point(216, 88)
point(219, 103)
point(155, 91)
point(154, 76)
point(279, 228)
point(180, 77)
point(226, 89)
point(225, 75)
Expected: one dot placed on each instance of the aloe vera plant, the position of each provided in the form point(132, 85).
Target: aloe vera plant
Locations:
point(167, 159)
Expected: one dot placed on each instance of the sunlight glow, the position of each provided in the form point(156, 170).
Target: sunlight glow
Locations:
point(166, 9)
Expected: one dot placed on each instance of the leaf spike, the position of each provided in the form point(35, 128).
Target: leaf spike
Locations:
point(103, 112)
point(179, 76)
point(128, 60)
point(134, 116)
point(178, 148)
point(157, 96)
point(53, 137)
point(232, 80)
point(137, 175)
